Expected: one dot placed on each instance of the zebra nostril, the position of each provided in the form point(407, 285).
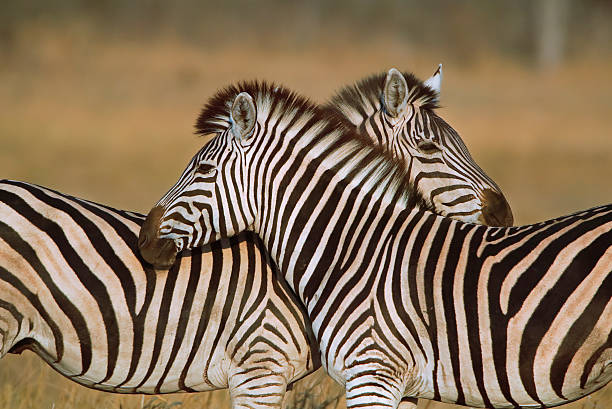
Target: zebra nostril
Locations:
point(143, 239)
point(150, 225)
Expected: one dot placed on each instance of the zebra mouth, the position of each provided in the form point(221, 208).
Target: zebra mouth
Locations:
point(161, 253)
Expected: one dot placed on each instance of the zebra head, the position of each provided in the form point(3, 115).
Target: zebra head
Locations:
point(397, 111)
point(188, 214)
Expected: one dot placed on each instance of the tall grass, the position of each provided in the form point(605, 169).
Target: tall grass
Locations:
point(112, 122)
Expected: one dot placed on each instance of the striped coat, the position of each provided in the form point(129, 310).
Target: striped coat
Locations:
point(403, 302)
point(76, 292)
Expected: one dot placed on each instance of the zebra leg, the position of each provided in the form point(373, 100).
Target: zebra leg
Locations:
point(408, 403)
point(373, 392)
point(250, 390)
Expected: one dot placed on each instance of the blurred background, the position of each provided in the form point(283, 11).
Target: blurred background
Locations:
point(98, 99)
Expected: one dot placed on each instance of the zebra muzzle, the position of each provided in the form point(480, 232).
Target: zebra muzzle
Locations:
point(159, 252)
point(496, 210)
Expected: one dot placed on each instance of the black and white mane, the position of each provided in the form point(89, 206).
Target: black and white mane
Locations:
point(365, 97)
point(275, 103)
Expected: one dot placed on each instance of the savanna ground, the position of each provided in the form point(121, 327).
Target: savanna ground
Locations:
point(112, 122)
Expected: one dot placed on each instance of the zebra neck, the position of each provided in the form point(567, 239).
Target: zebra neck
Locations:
point(314, 179)
point(309, 166)
point(320, 211)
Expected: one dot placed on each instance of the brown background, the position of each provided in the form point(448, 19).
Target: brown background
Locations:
point(98, 99)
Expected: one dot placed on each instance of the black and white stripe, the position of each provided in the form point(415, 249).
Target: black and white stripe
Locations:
point(403, 302)
point(94, 245)
point(74, 290)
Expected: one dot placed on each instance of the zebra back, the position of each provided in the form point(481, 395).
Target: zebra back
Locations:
point(75, 290)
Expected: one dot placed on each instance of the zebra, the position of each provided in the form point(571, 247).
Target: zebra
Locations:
point(395, 111)
point(380, 106)
point(403, 302)
point(75, 230)
point(74, 290)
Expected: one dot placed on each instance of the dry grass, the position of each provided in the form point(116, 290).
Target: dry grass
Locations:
point(112, 122)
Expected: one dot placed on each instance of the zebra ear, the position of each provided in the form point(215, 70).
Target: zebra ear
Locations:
point(243, 115)
point(435, 81)
point(395, 92)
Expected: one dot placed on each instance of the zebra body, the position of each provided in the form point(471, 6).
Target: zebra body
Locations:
point(75, 291)
point(403, 302)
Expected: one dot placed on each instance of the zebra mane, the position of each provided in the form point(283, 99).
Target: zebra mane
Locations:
point(361, 100)
point(215, 116)
point(390, 171)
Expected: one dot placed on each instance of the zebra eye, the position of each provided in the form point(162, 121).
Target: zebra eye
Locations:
point(206, 169)
point(428, 147)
